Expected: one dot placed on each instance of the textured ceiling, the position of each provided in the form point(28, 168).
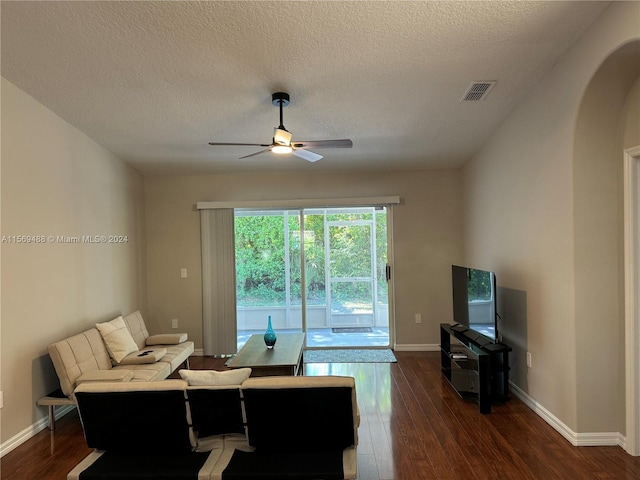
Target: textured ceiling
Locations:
point(154, 82)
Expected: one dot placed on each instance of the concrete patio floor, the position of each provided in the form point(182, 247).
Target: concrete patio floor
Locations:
point(326, 338)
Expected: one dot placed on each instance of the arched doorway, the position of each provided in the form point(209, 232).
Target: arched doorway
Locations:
point(607, 340)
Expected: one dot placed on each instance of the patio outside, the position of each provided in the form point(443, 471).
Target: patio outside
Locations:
point(328, 338)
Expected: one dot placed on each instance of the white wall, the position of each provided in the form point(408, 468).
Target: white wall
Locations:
point(524, 213)
point(57, 181)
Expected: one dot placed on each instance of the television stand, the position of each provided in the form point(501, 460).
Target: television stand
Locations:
point(476, 369)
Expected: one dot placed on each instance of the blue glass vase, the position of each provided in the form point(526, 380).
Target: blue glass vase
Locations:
point(270, 335)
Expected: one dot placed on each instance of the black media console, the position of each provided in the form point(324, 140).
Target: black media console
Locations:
point(475, 367)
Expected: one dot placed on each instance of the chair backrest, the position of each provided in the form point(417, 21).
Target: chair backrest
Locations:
point(137, 328)
point(135, 417)
point(76, 355)
point(300, 414)
point(215, 410)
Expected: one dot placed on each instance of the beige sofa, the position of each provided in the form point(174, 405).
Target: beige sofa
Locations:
point(85, 357)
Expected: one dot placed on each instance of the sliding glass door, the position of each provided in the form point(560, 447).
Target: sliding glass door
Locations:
point(320, 271)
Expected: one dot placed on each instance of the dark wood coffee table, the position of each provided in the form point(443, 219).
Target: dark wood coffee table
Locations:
point(285, 358)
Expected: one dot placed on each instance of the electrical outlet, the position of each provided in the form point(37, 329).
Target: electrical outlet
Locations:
point(183, 273)
point(1, 399)
point(174, 323)
point(529, 359)
point(418, 318)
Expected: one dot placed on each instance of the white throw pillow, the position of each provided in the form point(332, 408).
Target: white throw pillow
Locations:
point(117, 338)
point(215, 378)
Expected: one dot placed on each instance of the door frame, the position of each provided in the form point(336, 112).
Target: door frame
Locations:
point(371, 279)
point(632, 297)
point(304, 206)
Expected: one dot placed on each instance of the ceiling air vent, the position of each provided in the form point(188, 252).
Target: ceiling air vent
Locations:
point(477, 91)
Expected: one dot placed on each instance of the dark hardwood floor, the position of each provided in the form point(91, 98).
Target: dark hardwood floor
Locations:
point(413, 427)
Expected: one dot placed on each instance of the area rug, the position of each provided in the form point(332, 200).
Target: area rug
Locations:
point(349, 356)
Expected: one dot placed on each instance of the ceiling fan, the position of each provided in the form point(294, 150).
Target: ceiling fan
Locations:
point(282, 143)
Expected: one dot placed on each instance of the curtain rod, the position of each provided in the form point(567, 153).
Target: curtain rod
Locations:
point(302, 203)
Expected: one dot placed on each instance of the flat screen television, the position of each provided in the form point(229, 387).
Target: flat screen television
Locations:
point(474, 302)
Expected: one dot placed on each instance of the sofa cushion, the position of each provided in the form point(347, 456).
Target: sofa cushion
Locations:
point(215, 378)
point(167, 339)
point(312, 414)
point(146, 356)
point(283, 464)
point(117, 338)
point(178, 354)
point(215, 411)
point(147, 372)
point(81, 353)
point(137, 328)
point(123, 466)
point(105, 376)
point(144, 417)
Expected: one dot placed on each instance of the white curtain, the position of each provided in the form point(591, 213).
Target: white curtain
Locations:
point(219, 330)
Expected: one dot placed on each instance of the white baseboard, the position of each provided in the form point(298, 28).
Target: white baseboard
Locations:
point(416, 347)
point(594, 439)
point(32, 430)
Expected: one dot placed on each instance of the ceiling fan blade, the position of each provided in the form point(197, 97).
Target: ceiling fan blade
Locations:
point(343, 143)
point(240, 144)
point(257, 153)
point(306, 154)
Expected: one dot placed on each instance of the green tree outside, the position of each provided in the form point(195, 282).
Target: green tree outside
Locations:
point(260, 257)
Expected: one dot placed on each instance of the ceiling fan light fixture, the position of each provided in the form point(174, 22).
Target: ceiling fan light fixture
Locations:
point(281, 137)
point(281, 149)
